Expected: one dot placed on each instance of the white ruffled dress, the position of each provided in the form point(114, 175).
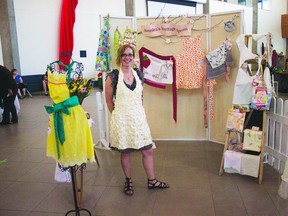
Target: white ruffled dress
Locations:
point(129, 129)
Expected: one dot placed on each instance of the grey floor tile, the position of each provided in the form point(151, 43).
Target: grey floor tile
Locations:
point(13, 213)
point(161, 146)
point(181, 201)
point(257, 200)
point(108, 158)
point(228, 196)
point(4, 185)
point(186, 146)
point(230, 209)
point(190, 178)
point(12, 171)
point(212, 146)
point(60, 200)
point(185, 159)
point(42, 173)
point(280, 203)
point(101, 176)
point(24, 196)
point(114, 202)
point(45, 214)
point(30, 155)
point(7, 152)
point(48, 160)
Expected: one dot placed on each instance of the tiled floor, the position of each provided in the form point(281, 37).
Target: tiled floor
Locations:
point(27, 185)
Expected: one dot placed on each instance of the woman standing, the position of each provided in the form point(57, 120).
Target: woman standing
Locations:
point(129, 129)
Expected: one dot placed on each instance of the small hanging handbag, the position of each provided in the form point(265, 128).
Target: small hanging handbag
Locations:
point(262, 91)
point(61, 174)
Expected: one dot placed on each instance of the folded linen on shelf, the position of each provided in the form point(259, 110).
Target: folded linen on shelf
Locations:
point(232, 161)
point(250, 165)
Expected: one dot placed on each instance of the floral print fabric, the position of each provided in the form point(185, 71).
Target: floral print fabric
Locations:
point(103, 57)
point(219, 61)
point(189, 64)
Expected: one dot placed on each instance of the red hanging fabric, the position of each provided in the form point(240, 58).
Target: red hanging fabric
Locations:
point(66, 40)
point(160, 85)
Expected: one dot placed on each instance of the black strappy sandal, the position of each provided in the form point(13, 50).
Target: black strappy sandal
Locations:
point(128, 187)
point(154, 183)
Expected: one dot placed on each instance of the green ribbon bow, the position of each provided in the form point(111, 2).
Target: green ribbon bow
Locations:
point(57, 110)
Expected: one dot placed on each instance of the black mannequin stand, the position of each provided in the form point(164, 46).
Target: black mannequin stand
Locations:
point(77, 210)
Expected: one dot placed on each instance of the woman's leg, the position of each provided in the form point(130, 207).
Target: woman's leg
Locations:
point(147, 158)
point(148, 163)
point(126, 164)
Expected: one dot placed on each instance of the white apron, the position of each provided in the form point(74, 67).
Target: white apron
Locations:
point(128, 127)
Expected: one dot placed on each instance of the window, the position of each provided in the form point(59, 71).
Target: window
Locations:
point(265, 4)
point(170, 7)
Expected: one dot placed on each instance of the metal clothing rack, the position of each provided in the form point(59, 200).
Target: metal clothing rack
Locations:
point(77, 200)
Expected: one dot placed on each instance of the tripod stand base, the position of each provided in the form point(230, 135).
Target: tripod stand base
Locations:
point(77, 211)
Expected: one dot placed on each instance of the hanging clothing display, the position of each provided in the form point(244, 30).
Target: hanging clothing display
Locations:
point(117, 39)
point(129, 129)
point(158, 71)
point(129, 37)
point(66, 39)
point(219, 61)
point(243, 89)
point(208, 86)
point(69, 139)
point(103, 57)
point(190, 64)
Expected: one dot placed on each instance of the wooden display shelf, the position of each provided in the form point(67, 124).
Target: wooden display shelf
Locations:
point(260, 173)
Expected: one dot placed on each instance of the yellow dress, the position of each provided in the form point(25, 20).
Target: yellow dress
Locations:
point(77, 146)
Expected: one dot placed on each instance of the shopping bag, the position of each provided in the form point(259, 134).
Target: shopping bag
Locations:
point(61, 174)
point(262, 92)
point(235, 120)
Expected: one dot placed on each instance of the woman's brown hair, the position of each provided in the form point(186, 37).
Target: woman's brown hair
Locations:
point(121, 50)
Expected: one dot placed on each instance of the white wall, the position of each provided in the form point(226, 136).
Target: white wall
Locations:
point(270, 21)
point(37, 33)
point(169, 9)
point(219, 7)
point(154, 8)
point(37, 24)
point(87, 29)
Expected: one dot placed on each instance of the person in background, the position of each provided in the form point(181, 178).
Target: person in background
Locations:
point(18, 79)
point(8, 92)
point(129, 129)
point(45, 83)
